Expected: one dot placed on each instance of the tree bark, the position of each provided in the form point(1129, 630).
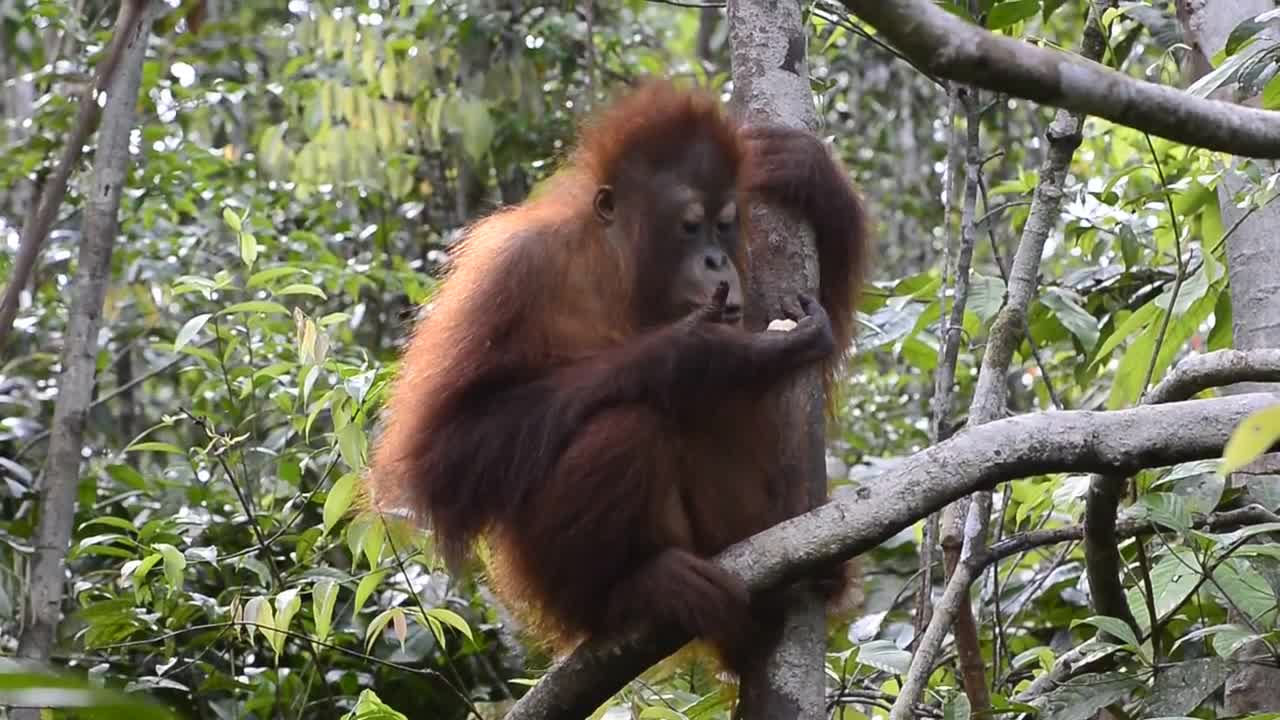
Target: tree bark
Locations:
point(75, 383)
point(1123, 441)
point(948, 47)
point(1253, 254)
point(767, 45)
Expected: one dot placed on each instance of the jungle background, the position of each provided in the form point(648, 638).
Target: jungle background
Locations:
point(296, 174)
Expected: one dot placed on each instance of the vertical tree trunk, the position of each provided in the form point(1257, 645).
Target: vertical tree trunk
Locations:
point(771, 83)
point(75, 383)
point(1253, 254)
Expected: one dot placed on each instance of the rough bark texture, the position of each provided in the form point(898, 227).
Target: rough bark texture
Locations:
point(75, 383)
point(950, 48)
point(768, 48)
point(1253, 254)
point(1253, 250)
point(975, 459)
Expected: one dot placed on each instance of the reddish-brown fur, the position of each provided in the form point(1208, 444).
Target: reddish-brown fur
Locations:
point(604, 457)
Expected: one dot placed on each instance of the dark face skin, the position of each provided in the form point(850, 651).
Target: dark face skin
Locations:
point(686, 254)
point(683, 230)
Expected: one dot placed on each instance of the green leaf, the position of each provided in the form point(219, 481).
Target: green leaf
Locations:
point(1086, 695)
point(77, 694)
point(351, 444)
point(1271, 94)
point(1127, 386)
point(249, 615)
point(152, 446)
point(302, 289)
point(111, 521)
point(138, 573)
point(1246, 589)
point(231, 219)
point(287, 605)
point(263, 277)
point(986, 296)
point(256, 306)
point(1180, 688)
point(1115, 627)
point(1008, 13)
point(373, 543)
point(452, 619)
point(128, 477)
point(1075, 318)
point(1165, 509)
point(357, 530)
point(324, 596)
point(266, 617)
point(1208, 632)
point(957, 707)
point(1225, 643)
point(1130, 248)
point(370, 707)
point(885, 655)
point(367, 585)
point(248, 248)
point(174, 564)
point(1173, 578)
point(84, 544)
point(1242, 33)
point(477, 128)
point(1219, 75)
point(189, 330)
point(661, 712)
point(1251, 439)
point(1131, 326)
point(339, 500)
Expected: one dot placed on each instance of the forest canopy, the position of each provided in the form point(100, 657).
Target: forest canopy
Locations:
point(1048, 454)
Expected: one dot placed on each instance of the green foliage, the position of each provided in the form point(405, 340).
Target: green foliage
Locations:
point(301, 174)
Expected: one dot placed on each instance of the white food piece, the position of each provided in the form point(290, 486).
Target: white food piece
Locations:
point(782, 325)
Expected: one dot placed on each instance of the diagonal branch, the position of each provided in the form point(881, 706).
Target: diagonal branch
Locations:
point(975, 459)
point(948, 47)
point(46, 211)
point(1196, 373)
point(967, 524)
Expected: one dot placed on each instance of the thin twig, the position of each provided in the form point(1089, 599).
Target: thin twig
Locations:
point(55, 189)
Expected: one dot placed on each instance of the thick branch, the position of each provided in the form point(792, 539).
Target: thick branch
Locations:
point(1253, 514)
point(1197, 373)
point(951, 48)
point(975, 459)
point(1101, 547)
point(990, 400)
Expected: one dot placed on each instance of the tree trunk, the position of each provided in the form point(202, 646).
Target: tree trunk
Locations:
point(771, 83)
point(75, 383)
point(1253, 254)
